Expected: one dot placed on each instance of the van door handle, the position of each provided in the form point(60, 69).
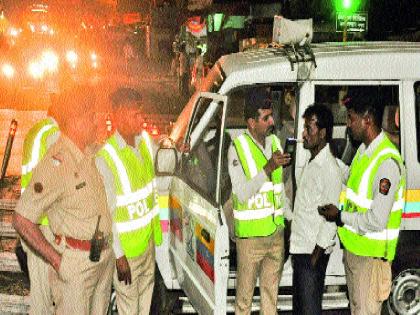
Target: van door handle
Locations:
point(205, 235)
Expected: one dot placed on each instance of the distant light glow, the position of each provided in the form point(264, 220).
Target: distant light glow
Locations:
point(36, 70)
point(8, 70)
point(71, 57)
point(49, 61)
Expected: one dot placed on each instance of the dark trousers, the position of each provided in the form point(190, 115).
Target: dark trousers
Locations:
point(308, 284)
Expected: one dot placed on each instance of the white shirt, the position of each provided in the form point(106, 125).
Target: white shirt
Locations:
point(319, 184)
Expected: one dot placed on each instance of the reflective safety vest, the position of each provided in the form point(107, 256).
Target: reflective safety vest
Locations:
point(359, 197)
point(137, 209)
point(263, 212)
point(34, 149)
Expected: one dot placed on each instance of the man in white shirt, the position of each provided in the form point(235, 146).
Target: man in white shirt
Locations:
point(312, 236)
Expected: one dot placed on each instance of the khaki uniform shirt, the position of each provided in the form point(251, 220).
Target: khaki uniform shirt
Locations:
point(67, 186)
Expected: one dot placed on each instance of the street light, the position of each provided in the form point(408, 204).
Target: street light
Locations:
point(347, 8)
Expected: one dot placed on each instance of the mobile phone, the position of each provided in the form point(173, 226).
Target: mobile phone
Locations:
point(290, 146)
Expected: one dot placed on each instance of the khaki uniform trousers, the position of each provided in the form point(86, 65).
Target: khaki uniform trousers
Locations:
point(82, 287)
point(136, 298)
point(40, 291)
point(369, 283)
point(261, 257)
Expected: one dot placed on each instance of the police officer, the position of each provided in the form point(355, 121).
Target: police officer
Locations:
point(126, 164)
point(370, 218)
point(67, 187)
point(37, 141)
point(255, 166)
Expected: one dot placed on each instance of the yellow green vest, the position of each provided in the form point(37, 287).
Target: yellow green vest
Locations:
point(137, 209)
point(34, 149)
point(359, 197)
point(263, 212)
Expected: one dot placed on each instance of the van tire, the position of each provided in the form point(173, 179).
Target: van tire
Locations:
point(405, 294)
point(164, 301)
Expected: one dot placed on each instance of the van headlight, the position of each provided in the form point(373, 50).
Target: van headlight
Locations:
point(8, 70)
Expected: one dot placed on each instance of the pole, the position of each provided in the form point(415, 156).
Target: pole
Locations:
point(345, 29)
point(8, 149)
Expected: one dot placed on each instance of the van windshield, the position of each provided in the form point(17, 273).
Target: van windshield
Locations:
point(212, 83)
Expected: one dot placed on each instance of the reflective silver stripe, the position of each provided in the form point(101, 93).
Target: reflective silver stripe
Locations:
point(398, 205)
point(252, 166)
point(278, 212)
point(366, 203)
point(125, 183)
point(364, 183)
point(387, 234)
point(132, 197)
point(136, 224)
point(278, 188)
point(244, 215)
point(22, 190)
point(358, 199)
point(266, 187)
point(28, 167)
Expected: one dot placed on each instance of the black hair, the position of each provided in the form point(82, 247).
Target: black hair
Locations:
point(255, 99)
point(123, 95)
point(324, 116)
point(365, 100)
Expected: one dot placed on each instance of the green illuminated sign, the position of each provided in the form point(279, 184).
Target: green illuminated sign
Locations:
point(347, 6)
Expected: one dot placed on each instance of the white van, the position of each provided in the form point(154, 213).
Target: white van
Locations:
point(198, 255)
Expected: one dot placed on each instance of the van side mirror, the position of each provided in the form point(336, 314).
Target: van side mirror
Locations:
point(166, 162)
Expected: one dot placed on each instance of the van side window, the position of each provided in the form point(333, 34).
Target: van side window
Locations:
point(417, 102)
point(199, 163)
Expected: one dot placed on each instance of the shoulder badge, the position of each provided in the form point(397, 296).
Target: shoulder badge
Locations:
point(384, 186)
point(38, 188)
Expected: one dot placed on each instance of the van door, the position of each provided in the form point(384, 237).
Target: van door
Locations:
point(199, 242)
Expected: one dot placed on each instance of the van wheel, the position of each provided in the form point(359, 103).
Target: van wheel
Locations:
point(164, 301)
point(405, 294)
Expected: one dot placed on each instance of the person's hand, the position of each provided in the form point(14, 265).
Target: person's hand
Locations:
point(277, 159)
point(316, 254)
point(330, 213)
point(123, 270)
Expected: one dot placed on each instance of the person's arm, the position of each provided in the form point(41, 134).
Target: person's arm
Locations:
point(33, 236)
point(42, 192)
point(330, 179)
point(376, 218)
point(241, 186)
point(108, 180)
point(123, 268)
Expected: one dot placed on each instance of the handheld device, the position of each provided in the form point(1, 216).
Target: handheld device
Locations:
point(96, 243)
point(290, 146)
